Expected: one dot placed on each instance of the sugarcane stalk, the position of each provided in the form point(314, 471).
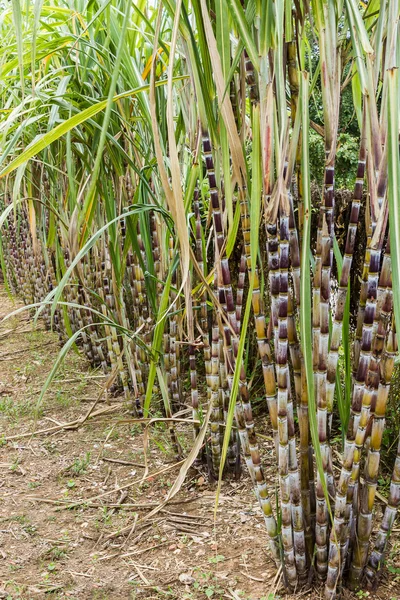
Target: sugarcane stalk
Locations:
point(322, 299)
point(382, 371)
point(365, 350)
point(233, 456)
point(274, 286)
point(337, 533)
point(240, 289)
point(194, 392)
point(243, 411)
point(336, 336)
point(377, 555)
point(216, 417)
point(282, 372)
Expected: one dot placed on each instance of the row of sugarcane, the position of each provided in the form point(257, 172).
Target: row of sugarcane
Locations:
point(93, 307)
point(324, 523)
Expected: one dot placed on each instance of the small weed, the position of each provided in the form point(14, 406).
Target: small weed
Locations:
point(21, 519)
point(206, 583)
point(216, 559)
point(51, 447)
point(56, 553)
point(38, 358)
point(136, 430)
point(15, 410)
point(80, 465)
point(14, 568)
point(52, 518)
point(32, 485)
point(15, 465)
point(111, 433)
point(30, 529)
point(106, 518)
point(63, 399)
point(16, 590)
point(395, 571)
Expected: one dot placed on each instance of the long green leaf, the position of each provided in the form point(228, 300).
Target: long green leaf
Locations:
point(70, 123)
point(305, 289)
point(394, 185)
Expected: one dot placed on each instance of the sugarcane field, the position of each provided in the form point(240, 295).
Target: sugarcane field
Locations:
point(199, 293)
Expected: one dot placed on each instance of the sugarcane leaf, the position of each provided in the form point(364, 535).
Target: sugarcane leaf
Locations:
point(394, 184)
point(176, 202)
point(164, 390)
point(56, 294)
point(359, 25)
point(37, 8)
point(90, 200)
point(357, 95)
point(60, 130)
point(17, 17)
point(232, 234)
point(305, 290)
point(344, 401)
point(58, 362)
point(244, 30)
point(157, 342)
point(225, 106)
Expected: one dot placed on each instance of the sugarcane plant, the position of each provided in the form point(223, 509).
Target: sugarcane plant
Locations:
point(159, 211)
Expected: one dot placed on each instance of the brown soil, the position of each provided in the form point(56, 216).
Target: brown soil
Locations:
point(50, 551)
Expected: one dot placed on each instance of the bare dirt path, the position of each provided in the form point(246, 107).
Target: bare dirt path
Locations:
point(67, 530)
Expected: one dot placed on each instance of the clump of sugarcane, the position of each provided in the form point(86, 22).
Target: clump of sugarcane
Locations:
point(368, 348)
point(243, 414)
point(378, 553)
point(330, 66)
point(335, 559)
point(380, 373)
